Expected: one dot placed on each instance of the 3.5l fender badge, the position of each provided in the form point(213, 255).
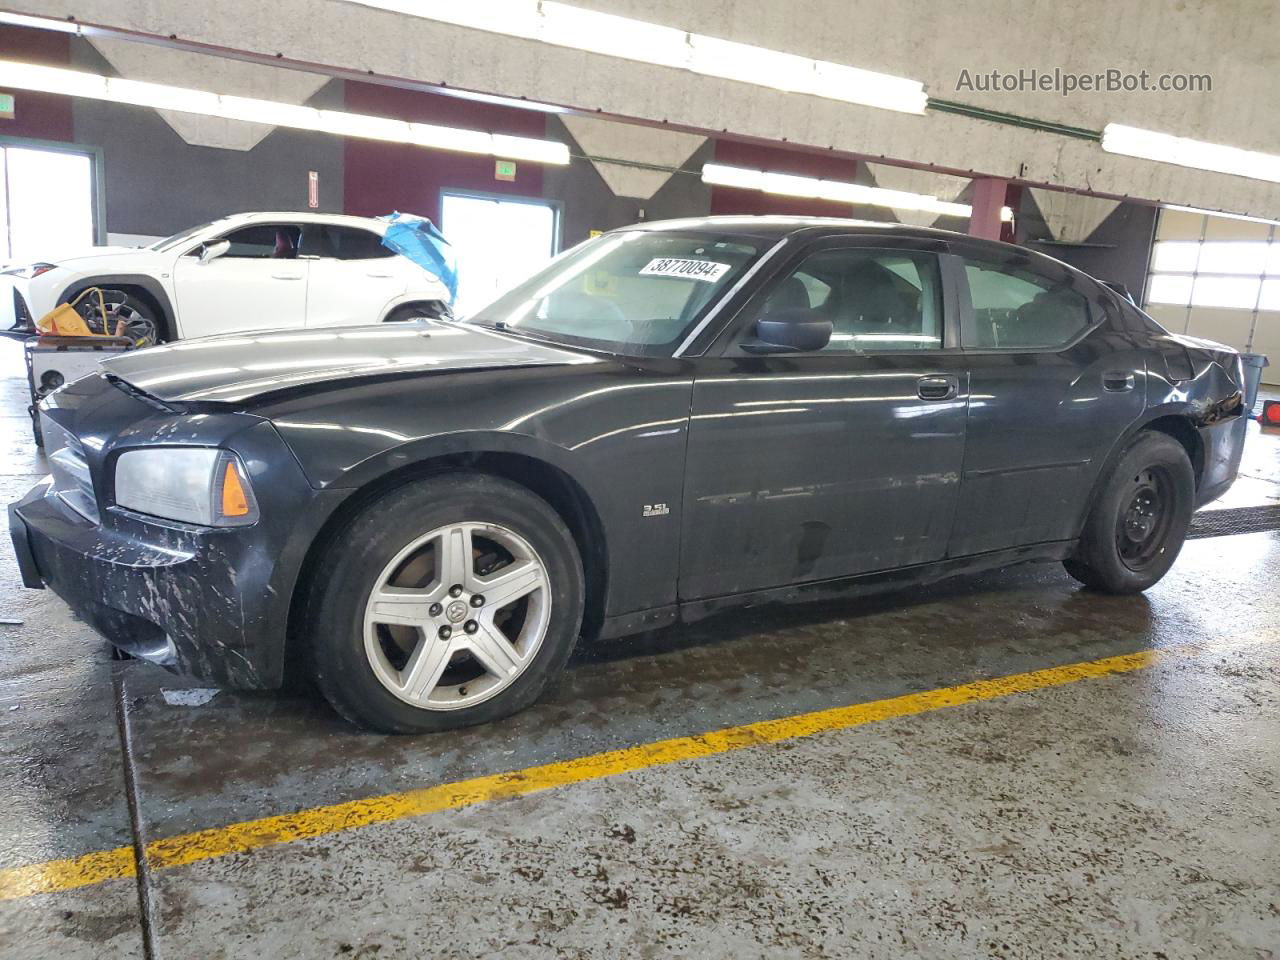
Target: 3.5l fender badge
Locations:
point(656, 510)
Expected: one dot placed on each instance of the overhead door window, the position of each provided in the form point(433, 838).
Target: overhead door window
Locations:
point(1016, 309)
point(498, 244)
point(46, 211)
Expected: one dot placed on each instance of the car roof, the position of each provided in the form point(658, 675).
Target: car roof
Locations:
point(296, 216)
point(777, 228)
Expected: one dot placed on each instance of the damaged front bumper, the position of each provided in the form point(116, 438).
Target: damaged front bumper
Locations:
point(189, 599)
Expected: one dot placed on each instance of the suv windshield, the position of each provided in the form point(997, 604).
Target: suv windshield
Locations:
point(177, 238)
point(634, 292)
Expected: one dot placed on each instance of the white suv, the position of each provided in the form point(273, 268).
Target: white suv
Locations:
point(249, 271)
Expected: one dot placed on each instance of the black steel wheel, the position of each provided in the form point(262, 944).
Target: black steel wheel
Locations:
point(1139, 517)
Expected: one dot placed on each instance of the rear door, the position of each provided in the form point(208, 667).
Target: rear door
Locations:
point(1053, 386)
point(352, 277)
point(809, 466)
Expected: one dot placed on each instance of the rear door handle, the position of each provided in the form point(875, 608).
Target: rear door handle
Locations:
point(1117, 381)
point(381, 276)
point(286, 276)
point(937, 387)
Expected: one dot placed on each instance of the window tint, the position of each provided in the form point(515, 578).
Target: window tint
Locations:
point(876, 300)
point(265, 241)
point(351, 243)
point(1015, 309)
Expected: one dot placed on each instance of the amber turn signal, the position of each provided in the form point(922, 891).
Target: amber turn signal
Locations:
point(234, 501)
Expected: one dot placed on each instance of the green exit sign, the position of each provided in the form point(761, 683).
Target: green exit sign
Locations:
point(504, 169)
point(6, 106)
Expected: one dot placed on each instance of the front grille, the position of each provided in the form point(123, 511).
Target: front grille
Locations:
point(69, 469)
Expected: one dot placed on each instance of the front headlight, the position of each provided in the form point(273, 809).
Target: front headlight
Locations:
point(29, 271)
point(191, 484)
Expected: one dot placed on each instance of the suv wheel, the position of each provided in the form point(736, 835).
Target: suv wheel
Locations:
point(1140, 519)
point(446, 603)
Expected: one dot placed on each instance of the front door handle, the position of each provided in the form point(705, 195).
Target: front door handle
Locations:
point(286, 276)
point(937, 388)
point(1117, 381)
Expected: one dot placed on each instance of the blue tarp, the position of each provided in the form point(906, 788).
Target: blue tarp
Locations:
point(418, 239)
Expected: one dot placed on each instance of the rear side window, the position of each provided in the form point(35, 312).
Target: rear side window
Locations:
point(1016, 309)
point(350, 243)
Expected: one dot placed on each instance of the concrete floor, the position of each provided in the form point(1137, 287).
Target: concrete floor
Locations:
point(1124, 816)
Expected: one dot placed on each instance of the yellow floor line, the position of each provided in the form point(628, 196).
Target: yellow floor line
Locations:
point(57, 875)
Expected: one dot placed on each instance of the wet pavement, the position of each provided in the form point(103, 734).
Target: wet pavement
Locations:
point(1123, 816)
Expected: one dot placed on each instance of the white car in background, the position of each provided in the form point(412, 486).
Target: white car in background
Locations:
point(248, 271)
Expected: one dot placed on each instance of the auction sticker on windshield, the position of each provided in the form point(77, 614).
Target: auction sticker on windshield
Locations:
point(706, 270)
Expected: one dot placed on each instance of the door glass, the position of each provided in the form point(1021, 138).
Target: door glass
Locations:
point(1015, 309)
point(50, 203)
point(877, 300)
point(498, 243)
point(350, 243)
point(264, 241)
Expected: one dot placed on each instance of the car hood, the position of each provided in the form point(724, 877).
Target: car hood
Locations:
point(71, 261)
point(236, 368)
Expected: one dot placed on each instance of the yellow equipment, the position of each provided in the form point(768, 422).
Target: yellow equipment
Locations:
point(65, 320)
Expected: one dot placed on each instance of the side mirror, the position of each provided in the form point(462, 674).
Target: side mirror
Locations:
point(792, 330)
point(212, 251)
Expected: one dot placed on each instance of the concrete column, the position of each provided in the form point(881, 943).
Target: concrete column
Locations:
point(987, 201)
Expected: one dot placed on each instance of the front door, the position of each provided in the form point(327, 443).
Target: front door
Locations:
point(1053, 386)
point(258, 284)
point(845, 460)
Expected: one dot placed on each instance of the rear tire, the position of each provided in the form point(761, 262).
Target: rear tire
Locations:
point(393, 648)
point(1139, 521)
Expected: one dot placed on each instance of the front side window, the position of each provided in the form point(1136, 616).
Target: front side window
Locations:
point(1015, 309)
point(263, 241)
point(876, 300)
point(633, 293)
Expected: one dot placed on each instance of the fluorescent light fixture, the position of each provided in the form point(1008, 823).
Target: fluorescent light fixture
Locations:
point(627, 38)
point(836, 191)
point(1166, 148)
point(40, 23)
point(1218, 213)
point(163, 96)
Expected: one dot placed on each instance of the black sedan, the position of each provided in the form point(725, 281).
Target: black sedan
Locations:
point(665, 421)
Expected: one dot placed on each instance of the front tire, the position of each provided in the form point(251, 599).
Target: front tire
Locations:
point(1139, 521)
point(447, 602)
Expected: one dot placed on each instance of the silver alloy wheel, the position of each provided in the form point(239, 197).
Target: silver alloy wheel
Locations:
point(457, 616)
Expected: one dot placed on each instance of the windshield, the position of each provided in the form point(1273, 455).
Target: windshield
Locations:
point(185, 235)
point(634, 293)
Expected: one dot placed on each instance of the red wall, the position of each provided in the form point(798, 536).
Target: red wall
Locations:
point(779, 160)
point(40, 116)
point(382, 177)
